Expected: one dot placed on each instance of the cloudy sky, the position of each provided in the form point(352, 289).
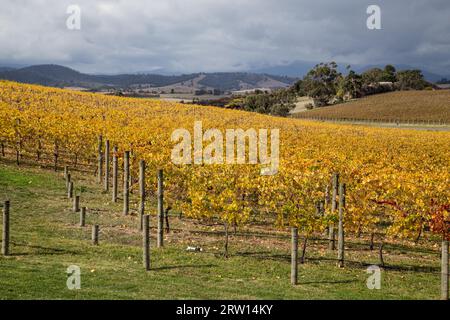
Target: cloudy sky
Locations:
point(222, 35)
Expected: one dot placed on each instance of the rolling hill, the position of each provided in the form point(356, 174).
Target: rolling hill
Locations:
point(59, 76)
point(401, 106)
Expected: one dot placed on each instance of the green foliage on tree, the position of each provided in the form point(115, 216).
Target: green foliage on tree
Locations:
point(277, 103)
point(389, 74)
point(326, 85)
point(299, 89)
point(372, 76)
point(411, 80)
point(321, 83)
point(350, 86)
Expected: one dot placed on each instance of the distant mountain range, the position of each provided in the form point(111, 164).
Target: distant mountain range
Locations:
point(271, 77)
point(59, 76)
point(6, 69)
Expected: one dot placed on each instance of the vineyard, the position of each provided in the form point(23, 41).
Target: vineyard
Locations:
point(396, 181)
point(421, 107)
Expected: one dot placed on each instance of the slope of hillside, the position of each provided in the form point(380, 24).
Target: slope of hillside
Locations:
point(380, 167)
point(59, 76)
point(2, 69)
point(237, 81)
point(401, 106)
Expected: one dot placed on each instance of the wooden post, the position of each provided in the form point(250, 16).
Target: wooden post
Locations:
point(325, 207)
point(56, 154)
point(107, 173)
point(331, 236)
point(380, 253)
point(160, 242)
point(166, 217)
point(5, 237)
point(100, 160)
point(146, 241)
point(341, 243)
point(126, 183)
point(115, 174)
point(83, 217)
point(303, 256)
point(70, 190)
point(141, 191)
point(225, 247)
point(76, 204)
point(294, 256)
point(130, 179)
point(372, 238)
point(66, 172)
point(95, 231)
point(327, 197)
point(444, 271)
point(68, 179)
point(318, 209)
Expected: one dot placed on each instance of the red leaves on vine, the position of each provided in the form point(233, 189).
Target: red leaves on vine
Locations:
point(440, 223)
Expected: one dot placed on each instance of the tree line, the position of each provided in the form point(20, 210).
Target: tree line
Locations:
point(326, 85)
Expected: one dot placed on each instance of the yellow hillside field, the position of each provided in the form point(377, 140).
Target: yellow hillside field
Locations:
point(400, 176)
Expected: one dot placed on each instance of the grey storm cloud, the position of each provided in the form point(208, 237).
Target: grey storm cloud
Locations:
point(223, 35)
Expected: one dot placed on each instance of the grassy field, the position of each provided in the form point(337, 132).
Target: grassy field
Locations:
point(401, 106)
point(46, 240)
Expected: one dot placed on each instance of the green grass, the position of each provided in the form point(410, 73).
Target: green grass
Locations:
point(46, 240)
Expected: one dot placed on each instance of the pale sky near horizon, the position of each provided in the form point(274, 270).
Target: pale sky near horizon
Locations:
point(222, 35)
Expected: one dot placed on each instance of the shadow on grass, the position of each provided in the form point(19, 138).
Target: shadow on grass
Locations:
point(40, 251)
point(185, 267)
point(423, 269)
point(392, 267)
point(365, 247)
point(328, 282)
point(266, 255)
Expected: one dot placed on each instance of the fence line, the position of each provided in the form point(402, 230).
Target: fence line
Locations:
point(338, 191)
point(238, 234)
point(379, 120)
